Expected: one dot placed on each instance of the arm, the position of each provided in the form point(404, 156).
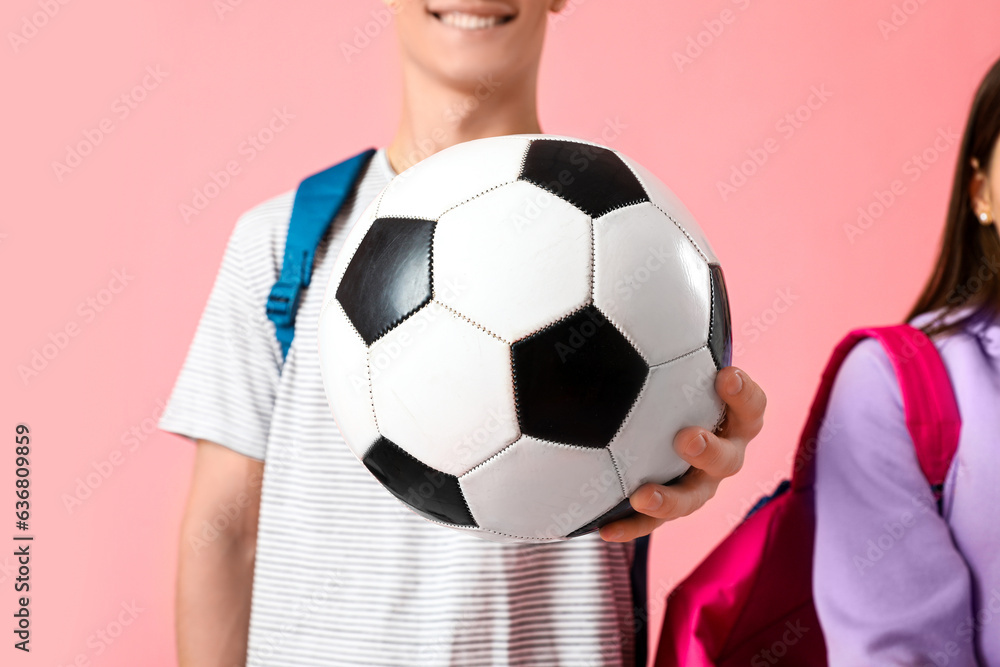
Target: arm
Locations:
point(713, 457)
point(890, 587)
point(215, 564)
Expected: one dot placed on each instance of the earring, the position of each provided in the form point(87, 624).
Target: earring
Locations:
point(985, 218)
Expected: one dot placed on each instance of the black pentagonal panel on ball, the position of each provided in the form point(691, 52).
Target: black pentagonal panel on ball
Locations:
point(575, 380)
point(431, 493)
point(591, 178)
point(720, 332)
point(389, 276)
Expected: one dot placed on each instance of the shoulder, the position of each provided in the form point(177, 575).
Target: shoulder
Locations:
point(266, 224)
point(868, 371)
point(864, 425)
point(260, 231)
point(865, 414)
point(978, 338)
point(257, 243)
point(866, 374)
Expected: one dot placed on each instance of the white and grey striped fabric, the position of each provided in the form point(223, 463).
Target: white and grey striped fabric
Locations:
point(345, 574)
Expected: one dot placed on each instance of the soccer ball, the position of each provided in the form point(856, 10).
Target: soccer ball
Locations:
point(515, 330)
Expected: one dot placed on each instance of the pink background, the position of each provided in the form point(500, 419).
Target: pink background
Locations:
point(780, 235)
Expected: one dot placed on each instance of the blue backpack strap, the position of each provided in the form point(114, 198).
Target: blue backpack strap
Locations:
point(318, 200)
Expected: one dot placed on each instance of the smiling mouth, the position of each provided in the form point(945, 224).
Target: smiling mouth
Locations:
point(464, 21)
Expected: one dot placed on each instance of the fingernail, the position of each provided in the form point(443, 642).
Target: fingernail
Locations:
point(696, 446)
point(615, 533)
point(655, 500)
point(736, 385)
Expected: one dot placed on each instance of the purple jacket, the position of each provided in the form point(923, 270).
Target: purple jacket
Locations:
point(895, 583)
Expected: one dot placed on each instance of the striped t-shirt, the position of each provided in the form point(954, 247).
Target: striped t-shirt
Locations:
point(345, 574)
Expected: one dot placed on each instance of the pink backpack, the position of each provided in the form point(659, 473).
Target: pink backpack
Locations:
point(750, 601)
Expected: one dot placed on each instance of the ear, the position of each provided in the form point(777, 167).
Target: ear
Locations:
point(979, 190)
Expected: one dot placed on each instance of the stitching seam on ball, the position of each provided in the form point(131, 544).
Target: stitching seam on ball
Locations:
point(678, 358)
point(614, 464)
point(371, 391)
point(469, 320)
point(687, 235)
point(476, 196)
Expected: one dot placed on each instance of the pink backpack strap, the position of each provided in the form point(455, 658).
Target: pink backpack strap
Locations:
point(929, 405)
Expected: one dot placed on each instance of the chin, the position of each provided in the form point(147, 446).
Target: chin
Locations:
point(468, 73)
point(473, 70)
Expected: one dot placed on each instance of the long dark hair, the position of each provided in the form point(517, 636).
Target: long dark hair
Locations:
point(968, 247)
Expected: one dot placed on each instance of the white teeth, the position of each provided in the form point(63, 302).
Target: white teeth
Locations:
point(469, 21)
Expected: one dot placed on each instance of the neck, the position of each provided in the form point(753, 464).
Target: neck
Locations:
point(438, 114)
